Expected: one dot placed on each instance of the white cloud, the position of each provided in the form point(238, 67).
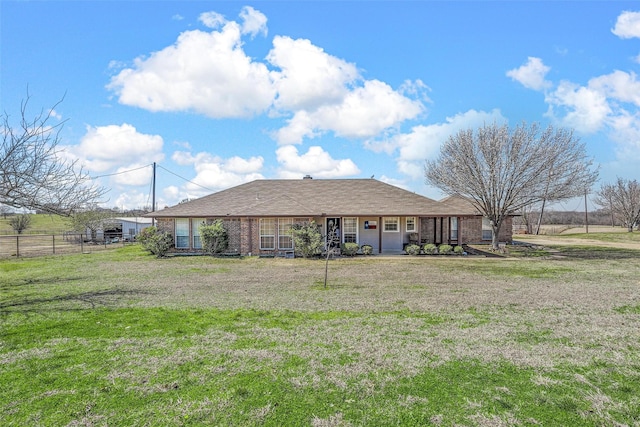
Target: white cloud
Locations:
point(309, 77)
point(627, 25)
point(106, 147)
point(215, 173)
point(363, 113)
point(582, 108)
point(532, 74)
point(212, 19)
point(253, 22)
point(315, 162)
point(132, 200)
point(208, 73)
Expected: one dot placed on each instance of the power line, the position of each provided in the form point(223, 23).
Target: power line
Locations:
point(119, 173)
point(183, 178)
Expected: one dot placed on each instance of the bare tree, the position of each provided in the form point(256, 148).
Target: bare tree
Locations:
point(92, 220)
point(622, 199)
point(20, 222)
point(502, 170)
point(33, 175)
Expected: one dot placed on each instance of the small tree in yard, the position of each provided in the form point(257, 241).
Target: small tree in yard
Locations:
point(307, 239)
point(501, 170)
point(623, 200)
point(215, 239)
point(155, 241)
point(20, 222)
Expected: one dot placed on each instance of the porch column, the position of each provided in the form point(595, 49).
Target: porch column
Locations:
point(380, 234)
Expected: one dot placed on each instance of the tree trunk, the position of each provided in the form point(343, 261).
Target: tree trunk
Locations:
point(495, 233)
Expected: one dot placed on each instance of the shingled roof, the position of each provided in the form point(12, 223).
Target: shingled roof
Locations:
point(460, 205)
point(309, 197)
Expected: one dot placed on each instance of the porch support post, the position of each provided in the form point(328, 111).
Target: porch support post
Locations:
point(380, 234)
point(435, 230)
point(441, 229)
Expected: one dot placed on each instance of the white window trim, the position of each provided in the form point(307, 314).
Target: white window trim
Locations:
point(406, 224)
point(285, 222)
point(187, 235)
point(260, 235)
point(384, 224)
point(344, 230)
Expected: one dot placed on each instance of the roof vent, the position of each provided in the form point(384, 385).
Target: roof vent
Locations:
point(307, 177)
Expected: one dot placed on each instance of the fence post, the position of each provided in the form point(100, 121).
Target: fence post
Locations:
point(81, 244)
point(17, 246)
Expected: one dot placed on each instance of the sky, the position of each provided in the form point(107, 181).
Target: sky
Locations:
point(221, 93)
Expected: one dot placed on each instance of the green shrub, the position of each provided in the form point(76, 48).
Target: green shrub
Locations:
point(215, 239)
point(307, 239)
point(155, 241)
point(430, 249)
point(458, 250)
point(366, 249)
point(445, 249)
point(412, 249)
point(350, 248)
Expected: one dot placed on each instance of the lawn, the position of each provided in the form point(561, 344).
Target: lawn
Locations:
point(40, 224)
point(121, 338)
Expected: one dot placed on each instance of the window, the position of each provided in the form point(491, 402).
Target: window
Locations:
point(454, 228)
point(182, 232)
point(391, 224)
point(267, 233)
point(350, 230)
point(285, 234)
point(196, 223)
point(486, 228)
point(411, 223)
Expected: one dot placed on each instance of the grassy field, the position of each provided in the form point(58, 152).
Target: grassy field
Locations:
point(40, 223)
point(121, 338)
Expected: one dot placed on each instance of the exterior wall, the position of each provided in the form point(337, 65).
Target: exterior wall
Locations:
point(244, 233)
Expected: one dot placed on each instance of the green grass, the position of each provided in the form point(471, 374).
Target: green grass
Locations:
point(122, 338)
point(620, 237)
point(41, 223)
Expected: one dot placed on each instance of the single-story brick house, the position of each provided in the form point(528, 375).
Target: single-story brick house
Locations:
point(258, 216)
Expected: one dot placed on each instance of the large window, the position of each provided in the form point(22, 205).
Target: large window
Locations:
point(267, 233)
point(350, 230)
point(391, 224)
point(411, 224)
point(196, 223)
point(285, 234)
point(486, 228)
point(182, 233)
point(454, 228)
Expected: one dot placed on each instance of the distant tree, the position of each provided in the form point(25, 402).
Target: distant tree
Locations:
point(622, 199)
point(502, 170)
point(33, 174)
point(20, 222)
point(5, 210)
point(307, 239)
point(92, 220)
point(215, 239)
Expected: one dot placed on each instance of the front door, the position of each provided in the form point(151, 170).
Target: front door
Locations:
point(333, 232)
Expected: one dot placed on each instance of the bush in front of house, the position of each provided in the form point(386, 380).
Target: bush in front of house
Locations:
point(307, 239)
point(155, 241)
point(458, 250)
point(350, 249)
point(366, 249)
point(430, 249)
point(412, 249)
point(215, 239)
point(445, 249)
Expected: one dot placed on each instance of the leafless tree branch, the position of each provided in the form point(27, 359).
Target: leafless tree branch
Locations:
point(33, 174)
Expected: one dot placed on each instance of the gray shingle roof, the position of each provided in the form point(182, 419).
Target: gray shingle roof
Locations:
point(309, 197)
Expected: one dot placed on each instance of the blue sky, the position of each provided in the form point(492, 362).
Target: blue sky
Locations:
point(221, 93)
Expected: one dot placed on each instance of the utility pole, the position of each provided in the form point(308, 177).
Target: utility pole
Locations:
point(586, 212)
point(153, 194)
